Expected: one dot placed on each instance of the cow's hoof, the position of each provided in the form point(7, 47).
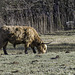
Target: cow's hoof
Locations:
point(26, 52)
point(34, 52)
point(6, 53)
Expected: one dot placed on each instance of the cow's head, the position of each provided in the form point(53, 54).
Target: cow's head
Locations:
point(42, 48)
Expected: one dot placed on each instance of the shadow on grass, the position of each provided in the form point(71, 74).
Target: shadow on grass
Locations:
point(61, 47)
point(51, 47)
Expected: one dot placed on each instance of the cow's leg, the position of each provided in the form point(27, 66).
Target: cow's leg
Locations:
point(34, 51)
point(27, 44)
point(26, 50)
point(4, 48)
point(26, 47)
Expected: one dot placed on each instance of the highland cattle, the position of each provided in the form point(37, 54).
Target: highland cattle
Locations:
point(21, 35)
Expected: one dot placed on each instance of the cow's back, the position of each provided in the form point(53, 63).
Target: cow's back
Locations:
point(21, 34)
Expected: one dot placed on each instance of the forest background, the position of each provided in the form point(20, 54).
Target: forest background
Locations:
point(46, 16)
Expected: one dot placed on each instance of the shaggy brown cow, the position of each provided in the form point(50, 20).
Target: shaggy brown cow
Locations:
point(21, 35)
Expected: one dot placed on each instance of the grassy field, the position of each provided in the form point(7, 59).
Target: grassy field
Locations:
point(59, 59)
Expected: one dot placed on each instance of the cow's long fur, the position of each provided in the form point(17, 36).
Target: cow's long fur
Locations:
point(21, 35)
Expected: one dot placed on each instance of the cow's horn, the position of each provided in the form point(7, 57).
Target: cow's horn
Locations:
point(48, 42)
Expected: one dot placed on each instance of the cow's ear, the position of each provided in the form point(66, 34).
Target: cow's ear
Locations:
point(38, 44)
point(17, 29)
point(42, 43)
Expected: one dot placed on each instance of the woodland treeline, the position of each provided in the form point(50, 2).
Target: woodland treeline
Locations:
point(45, 16)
